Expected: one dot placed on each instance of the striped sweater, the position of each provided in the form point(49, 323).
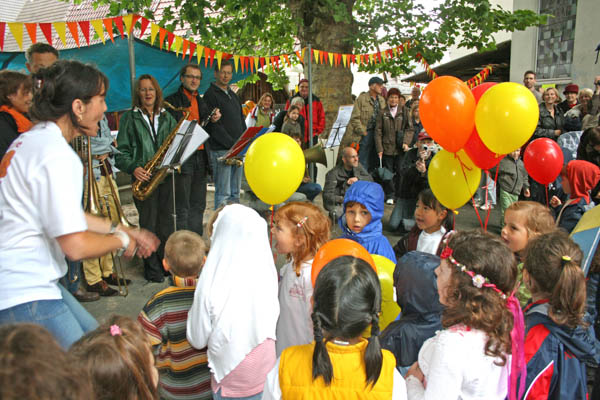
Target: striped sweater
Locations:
point(184, 372)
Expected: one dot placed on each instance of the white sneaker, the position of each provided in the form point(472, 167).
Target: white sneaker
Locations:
point(486, 207)
point(389, 201)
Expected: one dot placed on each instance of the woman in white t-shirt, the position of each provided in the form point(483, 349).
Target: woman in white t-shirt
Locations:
point(41, 184)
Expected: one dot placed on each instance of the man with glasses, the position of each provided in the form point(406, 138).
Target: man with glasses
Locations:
point(190, 185)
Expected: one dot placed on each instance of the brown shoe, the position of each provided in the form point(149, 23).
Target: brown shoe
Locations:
point(103, 289)
point(84, 297)
point(112, 280)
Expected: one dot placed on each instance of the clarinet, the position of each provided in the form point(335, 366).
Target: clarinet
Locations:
point(206, 120)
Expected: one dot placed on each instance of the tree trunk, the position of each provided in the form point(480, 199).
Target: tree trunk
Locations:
point(333, 85)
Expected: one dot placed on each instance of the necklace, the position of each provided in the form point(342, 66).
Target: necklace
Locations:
point(340, 342)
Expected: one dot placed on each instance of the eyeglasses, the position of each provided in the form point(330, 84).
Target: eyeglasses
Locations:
point(149, 90)
point(192, 77)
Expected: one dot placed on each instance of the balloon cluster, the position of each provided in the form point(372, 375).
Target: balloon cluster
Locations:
point(476, 128)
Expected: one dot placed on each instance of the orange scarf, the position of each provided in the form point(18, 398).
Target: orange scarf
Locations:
point(23, 123)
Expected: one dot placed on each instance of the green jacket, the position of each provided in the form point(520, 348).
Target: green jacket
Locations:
point(361, 115)
point(135, 142)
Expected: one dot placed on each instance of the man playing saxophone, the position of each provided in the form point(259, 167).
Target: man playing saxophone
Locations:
point(190, 185)
point(142, 131)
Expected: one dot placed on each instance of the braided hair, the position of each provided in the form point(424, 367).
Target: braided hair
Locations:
point(347, 300)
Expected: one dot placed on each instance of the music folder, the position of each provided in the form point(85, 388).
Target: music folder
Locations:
point(239, 148)
point(187, 140)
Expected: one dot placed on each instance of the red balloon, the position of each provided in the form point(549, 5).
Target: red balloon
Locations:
point(479, 90)
point(447, 110)
point(483, 157)
point(543, 160)
point(338, 248)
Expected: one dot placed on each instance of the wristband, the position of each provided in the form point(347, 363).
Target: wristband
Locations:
point(113, 227)
point(124, 238)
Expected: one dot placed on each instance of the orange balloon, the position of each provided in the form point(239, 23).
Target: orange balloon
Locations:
point(447, 111)
point(338, 248)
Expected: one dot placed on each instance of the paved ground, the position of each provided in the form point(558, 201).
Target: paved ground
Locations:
point(140, 290)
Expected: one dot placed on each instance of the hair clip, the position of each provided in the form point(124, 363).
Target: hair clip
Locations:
point(564, 260)
point(115, 330)
point(301, 222)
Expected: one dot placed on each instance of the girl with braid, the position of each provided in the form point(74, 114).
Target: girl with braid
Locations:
point(340, 363)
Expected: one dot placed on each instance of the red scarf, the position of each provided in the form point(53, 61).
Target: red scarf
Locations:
point(23, 123)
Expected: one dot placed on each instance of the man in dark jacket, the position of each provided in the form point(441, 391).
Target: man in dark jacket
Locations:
point(190, 185)
point(339, 179)
point(224, 133)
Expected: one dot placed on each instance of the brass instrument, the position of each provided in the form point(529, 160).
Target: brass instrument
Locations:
point(140, 189)
point(315, 154)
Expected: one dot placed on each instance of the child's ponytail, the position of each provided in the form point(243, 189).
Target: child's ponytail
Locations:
point(373, 355)
point(552, 261)
point(568, 299)
point(321, 364)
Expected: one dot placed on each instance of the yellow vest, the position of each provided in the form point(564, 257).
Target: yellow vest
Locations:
point(349, 375)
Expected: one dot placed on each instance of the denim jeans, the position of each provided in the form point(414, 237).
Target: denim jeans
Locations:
point(218, 396)
point(403, 213)
point(310, 189)
point(228, 180)
point(65, 318)
point(71, 280)
point(366, 151)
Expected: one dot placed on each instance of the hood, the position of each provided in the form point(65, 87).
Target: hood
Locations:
point(577, 341)
point(416, 284)
point(583, 177)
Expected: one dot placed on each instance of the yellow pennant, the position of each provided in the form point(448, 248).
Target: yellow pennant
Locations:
point(177, 44)
point(219, 55)
point(127, 19)
point(153, 32)
point(256, 63)
point(316, 54)
point(371, 58)
point(235, 62)
point(61, 29)
point(99, 28)
point(16, 28)
point(345, 59)
point(199, 51)
point(331, 58)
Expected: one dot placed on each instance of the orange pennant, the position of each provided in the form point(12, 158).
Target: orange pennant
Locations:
point(32, 31)
point(74, 31)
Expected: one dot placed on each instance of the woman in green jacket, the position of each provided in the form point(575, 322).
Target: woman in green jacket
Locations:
point(142, 130)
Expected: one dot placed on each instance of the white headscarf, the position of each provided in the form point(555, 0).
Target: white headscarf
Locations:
point(235, 304)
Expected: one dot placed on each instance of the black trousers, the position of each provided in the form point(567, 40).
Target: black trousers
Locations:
point(190, 193)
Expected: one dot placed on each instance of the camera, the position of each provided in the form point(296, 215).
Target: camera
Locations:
point(427, 147)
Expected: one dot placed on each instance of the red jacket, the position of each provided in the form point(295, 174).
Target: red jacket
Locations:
point(318, 117)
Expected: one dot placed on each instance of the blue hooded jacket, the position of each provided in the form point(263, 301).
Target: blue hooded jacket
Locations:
point(417, 296)
point(370, 195)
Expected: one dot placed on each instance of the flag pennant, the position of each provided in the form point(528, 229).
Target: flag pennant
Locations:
point(338, 59)
point(2, 29)
point(31, 31)
point(199, 52)
point(316, 55)
point(353, 58)
point(99, 28)
point(262, 63)
point(324, 56)
point(144, 26)
point(61, 29)
point(109, 28)
point(133, 21)
point(154, 29)
point(186, 45)
point(16, 28)
point(127, 20)
point(177, 45)
point(287, 60)
point(162, 32)
point(242, 63)
point(299, 56)
point(85, 29)
point(119, 23)
point(235, 62)
point(255, 64)
point(212, 57)
point(170, 38)
point(345, 60)
point(206, 56)
point(72, 25)
point(330, 58)
point(46, 28)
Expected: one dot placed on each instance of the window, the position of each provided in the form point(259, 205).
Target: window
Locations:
point(556, 39)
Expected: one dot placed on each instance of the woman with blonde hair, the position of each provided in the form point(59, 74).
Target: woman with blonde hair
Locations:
point(263, 113)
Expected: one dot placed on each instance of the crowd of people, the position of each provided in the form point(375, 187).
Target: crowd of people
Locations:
point(482, 315)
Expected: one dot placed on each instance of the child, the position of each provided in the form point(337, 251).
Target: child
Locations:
point(433, 223)
point(578, 179)
point(470, 357)
point(416, 290)
point(557, 346)
point(235, 306)
point(361, 222)
point(340, 363)
point(183, 370)
point(34, 366)
point(118, 357)
point(512, 181)
point(523, 221)
point(291, 126)
point(299, 230)
point(308, 188)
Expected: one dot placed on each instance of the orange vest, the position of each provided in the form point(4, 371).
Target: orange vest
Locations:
point(349, 375)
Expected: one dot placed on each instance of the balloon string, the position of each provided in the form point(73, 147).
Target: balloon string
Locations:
point(462, 168)
point(271, 233)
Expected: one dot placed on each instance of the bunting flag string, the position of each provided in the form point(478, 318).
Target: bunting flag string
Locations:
point(176, 44)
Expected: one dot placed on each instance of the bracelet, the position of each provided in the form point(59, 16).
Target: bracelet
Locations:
point(124, 242)
point(113, 227)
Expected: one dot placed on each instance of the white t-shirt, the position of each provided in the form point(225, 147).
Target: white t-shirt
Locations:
point(294, 326)
point(40, 199)
point(272, 390)
point(455, 366)
point(429, 242)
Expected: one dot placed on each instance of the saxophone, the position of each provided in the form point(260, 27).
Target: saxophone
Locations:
point(140, 189)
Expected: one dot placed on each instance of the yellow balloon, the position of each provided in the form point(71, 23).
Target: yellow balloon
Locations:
point(389, 307)
point(506, 117)
point(274, 167)
point(453, 178)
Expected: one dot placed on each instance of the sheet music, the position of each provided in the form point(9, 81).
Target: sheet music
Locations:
point(186, 145)
point(338, 129)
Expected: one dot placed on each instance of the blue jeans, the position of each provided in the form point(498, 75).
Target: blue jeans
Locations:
point(366, 151)
point(228, 180)
point(310, 189)
point(403, 213)
point(65, 318)
point(71, 280)
point(218, 396)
